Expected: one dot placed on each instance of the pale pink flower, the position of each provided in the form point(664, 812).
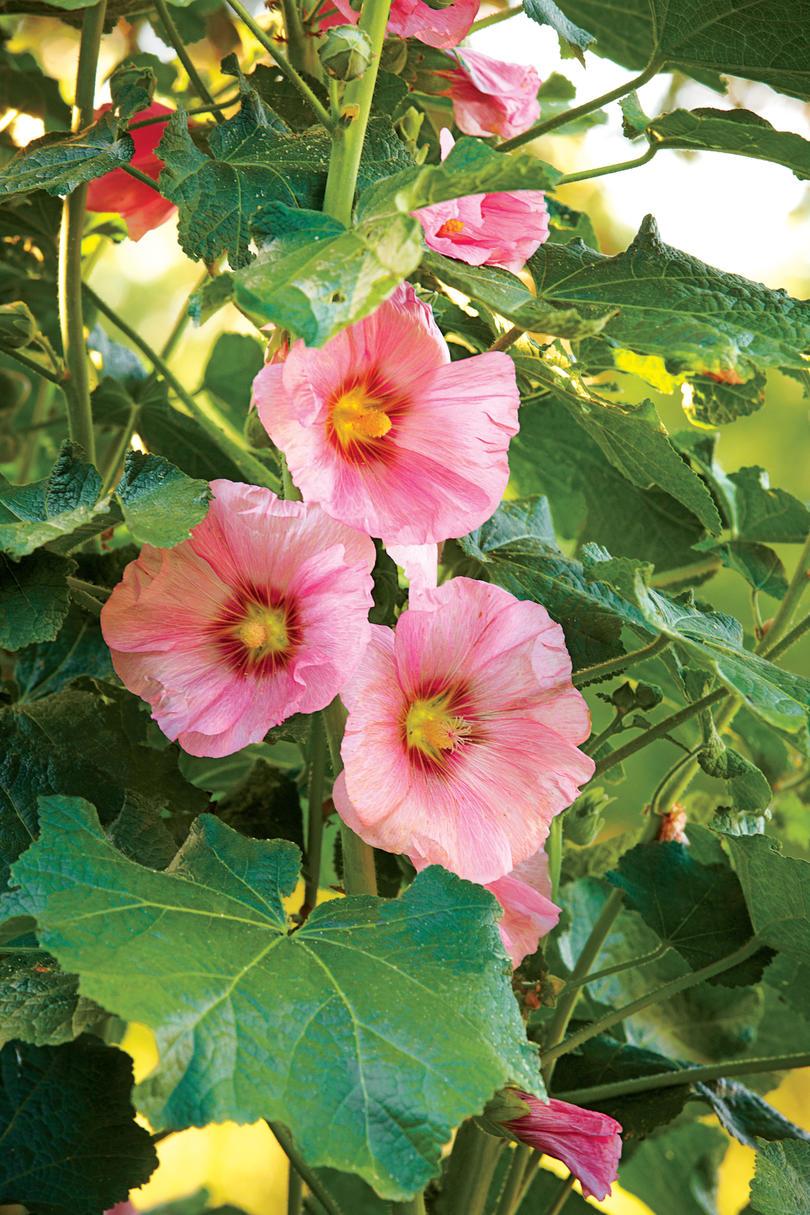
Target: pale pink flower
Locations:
point(588, 1142)
point(385, 433)
point(261, 614)
point(461, 740)
point(502, 229)
point(528, 913)
point(439, 27)
point(491, 97)
point(419, 563)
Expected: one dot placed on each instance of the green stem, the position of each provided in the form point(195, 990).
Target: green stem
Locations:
point(176, 332)
point(192, 113)
point(659, 730)
point(143, 178)
point(115, 460)
point(312, 1179)
point(631, 964)
point(221, 431)
point(359, 873)
point(347, 141)
point(84, 600)
point(554, 851)
point(686, 573)
point(496, 18)
point(32, 365)
point(682, 983)
point(587, 107)
point(606, 170)
point(510, 1196)
point(301, 49)
point(670, 780)
point(283, 64)
point(796, 588)
point(470, 1170)
point(289, 489)
point(563, 1194)
point(507, 338)
point(790, 638)
point(317, 775)
point(611, 666)
point(687, 1075)
point(173, 35)
point(71, 313)
point(415, 1206)
point(295, 1191)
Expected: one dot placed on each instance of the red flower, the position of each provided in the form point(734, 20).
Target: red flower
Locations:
point(141, 207)
point(588, 1142)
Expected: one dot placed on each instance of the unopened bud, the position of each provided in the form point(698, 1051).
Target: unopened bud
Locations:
point(345, 52)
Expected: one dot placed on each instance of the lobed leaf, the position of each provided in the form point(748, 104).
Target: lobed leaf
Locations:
point(60, 162)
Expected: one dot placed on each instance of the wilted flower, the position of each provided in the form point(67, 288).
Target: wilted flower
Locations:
point(461, 740)
point(261, 614)
point(502, 229)
point(491, 97)
point(385, 433)
point(142, 207)
point(588, 1142)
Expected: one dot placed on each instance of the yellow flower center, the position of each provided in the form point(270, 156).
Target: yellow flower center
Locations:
point(432, 728)
point(263, 631)
point(450, 227)
point(358, 417)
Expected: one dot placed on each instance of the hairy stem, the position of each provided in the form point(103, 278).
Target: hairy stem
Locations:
point(143, 178)
point(225, 104)
point(71, 312)
point(587, 107)
point(687, 1075)
point(612, 666)
point(563, 1194)
point(507, 338)
point(295, 1191)
point(312, 1179)
point(470, 1170)
point(513, 1187)
point(173, 35)
point(317, 776)
point(347, 140)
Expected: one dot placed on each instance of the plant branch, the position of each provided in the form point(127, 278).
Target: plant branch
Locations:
point(415, 1206)
point(687, 1075)
point(347, 140)
point(563, 1194)
point(580, 111)
point(786, 609)
point(359, 872)
point(606, 170)
point(71, 312)
point(33, 365)
point(283, 64)
point(192, 113)
point(317, 774)
point(219, 429)
point(788, 639)
point(612, 666)
point(507, 338)
point(496, 18)
point(659, 730)
point(682, 983)
point(182, 54)
point(295, 1191)
point(143, 178)
point(630, 964)
point(512, 1192)
point(470, 1170)
point(309, 1175)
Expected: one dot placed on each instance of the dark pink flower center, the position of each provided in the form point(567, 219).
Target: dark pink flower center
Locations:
point(258, 631)
point(362, 416)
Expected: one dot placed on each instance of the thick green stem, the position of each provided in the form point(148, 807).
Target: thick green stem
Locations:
point(683, 983)
point(563, 1194)
point(309, 1175)
point(220, 430)
point(554, 851)
point(606, 170)
point(496, 18)
point(71, 312)
point(587, 107)
point(301, 49)
point(687, 1075)
point(359, 873)
point(283, 64)
point(173, 34)
point(295, 1191)
point(612, 666)
point(347, 141)
point(512, 1192)
point(317, 775)
point(470, 1170)
point(143, 178)
point(415, 1206)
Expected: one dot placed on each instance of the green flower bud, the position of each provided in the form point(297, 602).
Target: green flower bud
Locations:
point(345, 52)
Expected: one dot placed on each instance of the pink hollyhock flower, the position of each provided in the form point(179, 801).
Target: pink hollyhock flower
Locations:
point(588, 1142)
point(122, 1208)
point(461, 740)
point(385, 433)
point(418, 562)
point(142, 208)
point(502, 229)
point(439, 27)
point(261, 614)
point(491, 97)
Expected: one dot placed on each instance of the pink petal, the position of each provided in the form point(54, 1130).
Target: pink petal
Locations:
point(585, 1140)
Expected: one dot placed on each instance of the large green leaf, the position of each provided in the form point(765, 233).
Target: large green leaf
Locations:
point(673, 305)
point(759, 39)
point(777, 890)
point(737, 131)
point(38, 1003)
point(675, 1172)
point(370, 1032)
point(698, 909)
point(234, 362)
point(160, 504)
point(69, 1143)
point(253, 160)
point(60, 162)
point(78, 650)
point(322, 277)
point(61, 510)
point(781, 1185)
point(762, 513)
point(34, 598)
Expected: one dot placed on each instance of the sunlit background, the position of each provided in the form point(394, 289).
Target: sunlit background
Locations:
point(741, 215)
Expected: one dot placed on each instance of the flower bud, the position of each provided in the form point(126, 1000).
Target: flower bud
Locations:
point(345, 52)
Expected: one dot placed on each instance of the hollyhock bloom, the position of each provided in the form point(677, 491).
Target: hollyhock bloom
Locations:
point(419, 563)
point(588, 1142)
point(461, 740)
point(122, 1208)
point(142, 208)
point(502, 229)
point(439, 27)
point(261, 614)
point(385, 433)
point(491, 97)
